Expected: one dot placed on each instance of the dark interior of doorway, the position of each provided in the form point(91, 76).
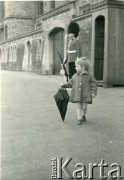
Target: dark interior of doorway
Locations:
point(99, 47)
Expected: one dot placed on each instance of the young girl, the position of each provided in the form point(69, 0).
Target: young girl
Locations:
point(84, 88)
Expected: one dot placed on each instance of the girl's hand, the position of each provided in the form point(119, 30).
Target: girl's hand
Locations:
point(93, 95)
point(61, 84)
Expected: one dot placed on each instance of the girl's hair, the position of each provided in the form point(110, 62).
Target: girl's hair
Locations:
point(84, 62)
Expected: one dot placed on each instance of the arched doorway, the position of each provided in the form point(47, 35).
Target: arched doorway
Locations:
point(57, 38)
point(1, 59)
point(1, 55)
point(99, 47)
point(29, 54)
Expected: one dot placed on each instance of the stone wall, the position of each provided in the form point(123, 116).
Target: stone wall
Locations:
point(14, 54)
point(19, 18)
point(46, 5)
point(56, 21)
point(19, 9)
point(17, 27)
point(1, 11)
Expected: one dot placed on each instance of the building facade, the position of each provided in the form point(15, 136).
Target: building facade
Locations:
point(33, 32)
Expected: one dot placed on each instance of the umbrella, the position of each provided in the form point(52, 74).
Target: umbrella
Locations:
point(62, 99)
point(63, 67)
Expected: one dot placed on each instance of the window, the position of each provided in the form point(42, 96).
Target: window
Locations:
point(39, 8)
point(52, 5)
point(38, 26)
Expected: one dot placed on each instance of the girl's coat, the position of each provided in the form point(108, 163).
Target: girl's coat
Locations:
point(83, 86)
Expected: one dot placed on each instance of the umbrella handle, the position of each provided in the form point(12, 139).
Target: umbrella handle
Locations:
point(65, 77)
point(63, 68)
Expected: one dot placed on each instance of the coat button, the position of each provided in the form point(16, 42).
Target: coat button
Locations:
point(79, 89)
point(80, 83)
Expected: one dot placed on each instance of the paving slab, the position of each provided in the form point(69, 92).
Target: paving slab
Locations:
point(33, 133)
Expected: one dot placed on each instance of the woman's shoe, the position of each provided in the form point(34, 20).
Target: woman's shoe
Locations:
point(80, 122)
point(84, 118)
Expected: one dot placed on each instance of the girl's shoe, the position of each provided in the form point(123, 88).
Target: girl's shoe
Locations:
point(80, 122)
point(84, 118)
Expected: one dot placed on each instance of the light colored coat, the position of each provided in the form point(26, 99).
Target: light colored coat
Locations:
point(83, 86)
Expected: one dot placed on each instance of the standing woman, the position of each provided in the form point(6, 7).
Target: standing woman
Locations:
point(74, 47)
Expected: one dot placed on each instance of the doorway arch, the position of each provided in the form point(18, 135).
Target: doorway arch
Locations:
point(99, 47)
point(1, 55)
point(56, 45)
point(28, 44)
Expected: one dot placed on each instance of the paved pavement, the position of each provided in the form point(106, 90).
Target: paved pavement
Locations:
point(33, 132)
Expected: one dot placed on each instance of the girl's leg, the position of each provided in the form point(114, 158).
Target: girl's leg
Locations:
point(84, 108)
point(79, 112)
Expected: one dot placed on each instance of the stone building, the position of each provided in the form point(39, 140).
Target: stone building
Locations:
point(32, 32)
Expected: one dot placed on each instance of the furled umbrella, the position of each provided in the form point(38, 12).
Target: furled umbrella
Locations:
point(62, 99)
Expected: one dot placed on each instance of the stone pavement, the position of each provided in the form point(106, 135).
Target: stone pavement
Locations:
point(33, 132)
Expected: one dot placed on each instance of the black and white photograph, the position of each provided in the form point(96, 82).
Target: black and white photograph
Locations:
point(62, 89)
